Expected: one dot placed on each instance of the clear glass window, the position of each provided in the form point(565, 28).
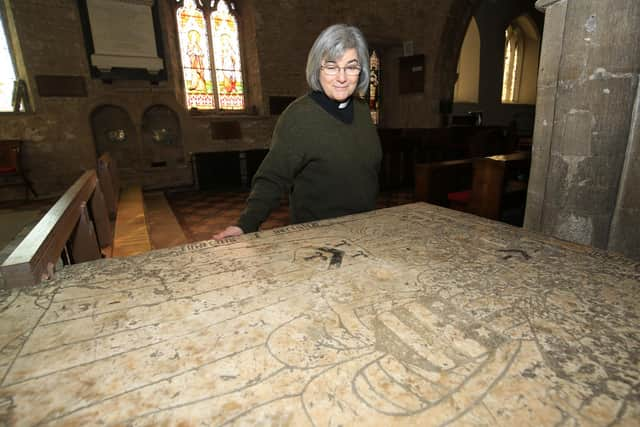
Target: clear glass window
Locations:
point(8, 76)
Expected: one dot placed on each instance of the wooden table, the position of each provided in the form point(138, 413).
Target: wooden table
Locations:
point(413, 315)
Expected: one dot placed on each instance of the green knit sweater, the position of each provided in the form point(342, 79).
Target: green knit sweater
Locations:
point(328, 168)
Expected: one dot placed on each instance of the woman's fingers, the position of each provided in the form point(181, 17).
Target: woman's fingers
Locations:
point(230, 231)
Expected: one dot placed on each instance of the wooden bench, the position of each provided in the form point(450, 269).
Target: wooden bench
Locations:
point(490, 186)
point(434, 181)
point(75, 227)
point(91, 220)
point(126, 209)
point(403, 149)
point(500, 184)
point(131, 231)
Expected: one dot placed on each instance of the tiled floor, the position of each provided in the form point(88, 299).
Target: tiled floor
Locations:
point(203, 213)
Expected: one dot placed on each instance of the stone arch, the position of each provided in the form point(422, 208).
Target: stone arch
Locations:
point(453, 33)
point(162, 139)
point(466, 88)
point(114, 132)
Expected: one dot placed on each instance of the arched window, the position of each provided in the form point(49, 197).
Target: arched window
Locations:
point(210, 53)
point(512, 63)
point(521, 56)
point(8, 76)
point(468, 82)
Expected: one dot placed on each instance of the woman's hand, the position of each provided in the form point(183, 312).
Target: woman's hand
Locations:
point(230, 231)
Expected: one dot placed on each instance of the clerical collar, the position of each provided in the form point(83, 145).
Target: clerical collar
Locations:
point(342, 111)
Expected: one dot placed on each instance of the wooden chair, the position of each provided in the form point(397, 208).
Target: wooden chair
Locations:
point(11, 170)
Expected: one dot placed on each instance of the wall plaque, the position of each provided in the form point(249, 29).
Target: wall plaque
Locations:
point(226, 130)
point(62, 86)
point(122, 35)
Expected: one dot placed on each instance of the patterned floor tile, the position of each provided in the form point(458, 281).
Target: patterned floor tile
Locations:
point(201, 214)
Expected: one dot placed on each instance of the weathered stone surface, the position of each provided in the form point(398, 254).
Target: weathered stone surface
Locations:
point(586, 119)
point(414, 315)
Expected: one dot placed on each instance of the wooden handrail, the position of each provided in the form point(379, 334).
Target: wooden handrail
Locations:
point(36, 256)
point(109, 182)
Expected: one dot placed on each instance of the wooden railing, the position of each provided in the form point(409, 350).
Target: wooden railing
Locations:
point(109, 182)
point(78, 221)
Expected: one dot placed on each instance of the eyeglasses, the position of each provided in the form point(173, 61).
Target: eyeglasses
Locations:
point(334, 70)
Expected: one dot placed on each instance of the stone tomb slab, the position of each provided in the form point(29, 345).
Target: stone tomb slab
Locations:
point(412, 315)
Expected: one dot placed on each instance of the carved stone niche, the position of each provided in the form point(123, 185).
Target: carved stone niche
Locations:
point(123, 35)
point(162, 138)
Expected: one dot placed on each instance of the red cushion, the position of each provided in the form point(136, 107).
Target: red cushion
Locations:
point(460, 196)
point(9, 169)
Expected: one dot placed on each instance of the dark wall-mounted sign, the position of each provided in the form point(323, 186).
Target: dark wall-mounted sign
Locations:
point(226, 129)
point(62, 86)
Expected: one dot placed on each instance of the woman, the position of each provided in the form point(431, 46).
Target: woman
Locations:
point(325, 151)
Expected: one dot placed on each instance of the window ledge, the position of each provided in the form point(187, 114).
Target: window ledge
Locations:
point(16, 113)
point(517, 103)
point(213, 115)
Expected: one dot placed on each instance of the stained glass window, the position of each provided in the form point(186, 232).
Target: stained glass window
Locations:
point(205, 27)
point(374, 87)
point(226, 50)
point(7, 70)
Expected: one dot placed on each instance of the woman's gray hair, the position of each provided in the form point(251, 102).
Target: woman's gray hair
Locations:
point(331, 45)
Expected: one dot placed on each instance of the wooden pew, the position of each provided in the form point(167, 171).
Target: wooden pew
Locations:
point(78, 221)
point(499, 183)
point(109, 182)
point(126, 207)
point(89, 221)
point(131, 236)
point(403, 149)
point(434, 181)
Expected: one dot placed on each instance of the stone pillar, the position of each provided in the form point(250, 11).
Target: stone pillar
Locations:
point(585, 176)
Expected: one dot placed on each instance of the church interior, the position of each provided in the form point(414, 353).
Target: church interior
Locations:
point(495, 283)
point(454, 80)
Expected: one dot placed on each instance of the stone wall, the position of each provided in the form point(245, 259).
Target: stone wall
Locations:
point(277, 36)
point(585, 171)
point(491, 26)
